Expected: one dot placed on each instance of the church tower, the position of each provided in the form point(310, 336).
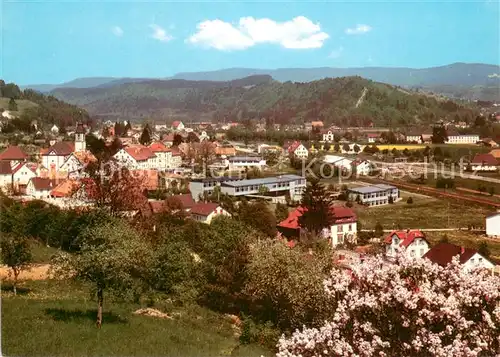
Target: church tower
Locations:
point(80, 138)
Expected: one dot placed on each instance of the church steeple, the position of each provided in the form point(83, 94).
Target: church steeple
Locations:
point(80, 138)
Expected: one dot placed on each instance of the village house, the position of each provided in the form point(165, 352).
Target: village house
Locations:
point(23, 173)
point(13, 154)
point(75, 164)
point(39, 187)
point(298, 150)
point(56, 155)
point(443, 253)
point(484, 162)
point(206, 212)
point(314, 125)
point(328, 136)
point(361, 167)
point(340, 162)
point(373, 137)
point(137, 157)
point(225, 151)
point(168, 139)
point(178, 125)
point(343, 228)
point(489, 142)
point(413, 241)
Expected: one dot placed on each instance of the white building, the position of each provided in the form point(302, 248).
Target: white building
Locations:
point(292, 185)
point(413, 241)
point(241, 162)
point(55, 156)
point(178, 125)
point(343, 228)
point(443, 253)
point(328, 137)
point(456, 138)
point(206, 212)
point(493, 225)
point(298, 150)
point(23, 173)
point(40, 188)
point(80, 144)
point(413, 138)
point(163, 155)
point(338, 161)
point(374, 195)
point(55, 129)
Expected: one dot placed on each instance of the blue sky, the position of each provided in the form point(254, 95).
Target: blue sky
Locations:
point(55, 41)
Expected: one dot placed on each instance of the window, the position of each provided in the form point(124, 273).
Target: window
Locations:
point(350, 227)
point(340, 228)
point(340, 238)
point(421, 251)
point(472, 260)
point(412, 252)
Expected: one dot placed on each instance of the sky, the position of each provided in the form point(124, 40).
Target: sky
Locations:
point(57, 41)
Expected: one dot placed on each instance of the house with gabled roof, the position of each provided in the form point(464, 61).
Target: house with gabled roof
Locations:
point(13, 154)
point(343, 227)
point(75, 164)
point(443, 253)
point(22, 173)
point(414, 241)
point(39, 187)
point(178, 125)
point(484, 162)
point(137, 157)
point(298, 150)
point(205, 212)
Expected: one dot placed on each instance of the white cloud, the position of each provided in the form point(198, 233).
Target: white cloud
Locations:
point(117, 31)
point(298, 33)
point(336, 53)
point(358, 30)
point(160, 34)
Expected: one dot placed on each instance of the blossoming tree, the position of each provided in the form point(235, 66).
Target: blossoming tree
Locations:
point(406, 308)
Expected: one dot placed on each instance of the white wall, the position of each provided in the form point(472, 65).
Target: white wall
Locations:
point(339, 231)
point(493, 225)
point(23, 176)
point(477, 261)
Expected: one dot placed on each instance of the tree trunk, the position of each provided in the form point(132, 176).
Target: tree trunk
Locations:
point(14, 285)
point(100, 299)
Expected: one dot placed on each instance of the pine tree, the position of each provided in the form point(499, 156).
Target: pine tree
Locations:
point(316, 202)
point(145, 138)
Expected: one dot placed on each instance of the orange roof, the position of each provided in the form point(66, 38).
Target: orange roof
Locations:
point(65, 189)
point(317, 123)
point(140, 152)
point(228, 151)
point(495, 153)
point(85, 157)
point(158, 146)
point(150, 178)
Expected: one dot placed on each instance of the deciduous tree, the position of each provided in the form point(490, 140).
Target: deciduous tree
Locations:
point(16, 254)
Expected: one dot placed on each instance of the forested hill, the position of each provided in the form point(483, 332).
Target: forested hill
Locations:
point(29, 105)
point(341, 101)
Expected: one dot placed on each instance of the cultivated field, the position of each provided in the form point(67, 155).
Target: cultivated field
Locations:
point(22, 104)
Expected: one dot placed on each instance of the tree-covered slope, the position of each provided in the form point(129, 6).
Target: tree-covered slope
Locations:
point(335, 101)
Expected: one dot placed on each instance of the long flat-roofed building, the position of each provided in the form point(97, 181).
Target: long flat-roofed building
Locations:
point(373, 195)
point(242, 162)
point(198, 187)
point(293, 185)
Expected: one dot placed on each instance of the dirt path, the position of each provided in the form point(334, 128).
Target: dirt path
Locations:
point(36, 272)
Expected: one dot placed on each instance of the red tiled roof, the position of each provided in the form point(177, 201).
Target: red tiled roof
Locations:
point(176, 123)
point(340, 215)
point(317, 123)
point(294, 146)
point(186, 200)
point(44, 184)
point(168, 137)
point(5, 168)
point(406, 237)
point(61, 148)
point(65, 188)
point(158, 146)
point(149, 178)
point(157, 206)
point(13, 153)
point(175, 151)
point(204, 209)
point(485, 159)
point(139, 152)
point(373, 135)
point(443, 253)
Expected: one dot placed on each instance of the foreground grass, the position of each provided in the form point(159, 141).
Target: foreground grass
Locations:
point(423, 213)
point(50, 318)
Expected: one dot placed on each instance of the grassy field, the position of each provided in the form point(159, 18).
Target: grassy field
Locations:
point(40, 252)
point(22, 104)
point(425, 212)
point(57, 318)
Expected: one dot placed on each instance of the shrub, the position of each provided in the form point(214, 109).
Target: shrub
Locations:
point(409, 200)
point(265, 334)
